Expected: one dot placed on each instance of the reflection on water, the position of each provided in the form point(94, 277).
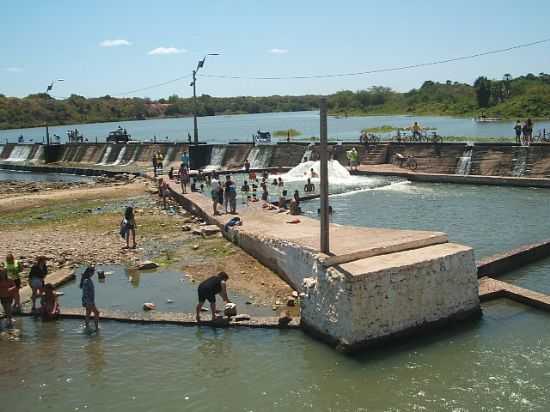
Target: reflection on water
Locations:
point(499, 363)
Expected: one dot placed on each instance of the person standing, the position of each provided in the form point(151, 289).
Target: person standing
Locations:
point(517, 129)
point(88, 296)
point(208, 289)
point(160, 161)
point(129, 227)
point(7, 291)
point(214, 193)
point(37, 274)
point(155, 164)
point(13, 268)
point(247, 166)
point(184, 177)
point(528, 131)
point(230, 195)
point(163, 191)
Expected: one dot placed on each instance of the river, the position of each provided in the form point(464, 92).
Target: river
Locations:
point(222, 129)
point(499, 363)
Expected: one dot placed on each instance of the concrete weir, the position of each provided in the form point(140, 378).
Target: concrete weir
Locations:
point(376, 285)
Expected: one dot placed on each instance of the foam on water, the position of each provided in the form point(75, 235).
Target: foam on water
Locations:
point(20, 153)
point(120, 155)
point(105, 156)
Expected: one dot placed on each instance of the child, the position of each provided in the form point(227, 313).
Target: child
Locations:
point(88, 296)
point(50, 306)
point(7, 291)
point(38, 273)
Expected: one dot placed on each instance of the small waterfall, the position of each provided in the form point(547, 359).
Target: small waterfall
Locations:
point(105, 156)
point(134, 156)
point(120, 156)
point(260, 156)
point(216, 158)
point(1, 150)
point(20, 153)
point(167, 157)
point(336, 172)
point(464, 162)
point(38, 154)
point(308, 153)
point(519, 162)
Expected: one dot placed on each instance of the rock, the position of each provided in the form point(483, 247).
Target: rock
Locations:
point(209, 230)
point(186, 228)
point(149, 306)
point(278, 302)
point(294, 294)
point(284, 318)
point(241, 317)
point(274, 308)
point(230, 309)
point(290, 301)
point(147, 265)
point(169, 301)
point(195, 247)
point(248, 302)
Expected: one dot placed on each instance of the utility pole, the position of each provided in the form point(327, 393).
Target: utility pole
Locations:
point(50, 87)
point(325, 245)
point(194, 84)
point(195, 125)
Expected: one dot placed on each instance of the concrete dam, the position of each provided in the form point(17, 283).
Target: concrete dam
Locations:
point(506, 160)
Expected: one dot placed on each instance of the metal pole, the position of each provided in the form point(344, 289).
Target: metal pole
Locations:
point(47, 135)
point(325, 246)
point(195, 126)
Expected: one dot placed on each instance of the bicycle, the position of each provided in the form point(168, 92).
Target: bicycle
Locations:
point(369, 138)
point(405, 161)
point(433, 137)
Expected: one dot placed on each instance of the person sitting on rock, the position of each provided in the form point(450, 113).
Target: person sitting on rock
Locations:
point(309, 187)
point(208, 289)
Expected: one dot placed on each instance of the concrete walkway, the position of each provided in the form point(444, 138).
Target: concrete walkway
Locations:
point(392, 170)
point(490, 288)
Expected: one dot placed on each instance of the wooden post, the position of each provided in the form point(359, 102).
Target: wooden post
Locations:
point(325, 246)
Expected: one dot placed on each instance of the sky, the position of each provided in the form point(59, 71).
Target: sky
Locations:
point(112, 47)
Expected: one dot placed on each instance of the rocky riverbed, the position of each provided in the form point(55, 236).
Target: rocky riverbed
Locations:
point(71, 231)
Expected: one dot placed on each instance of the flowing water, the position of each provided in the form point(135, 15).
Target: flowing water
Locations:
point(497, 364)
point(464, 162)
point(105, 157)
point(216, 158)
point(120, 156)
point(20, 153)
point(222, 129)
point(260, 156)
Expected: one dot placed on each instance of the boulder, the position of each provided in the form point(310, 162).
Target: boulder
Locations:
point(149, 306)
point(186, 228)
point(209, 230)
point(230, 309)
point(242, 317)
point(147, 265)
point(294, 294)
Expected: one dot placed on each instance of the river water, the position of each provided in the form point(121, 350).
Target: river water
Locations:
point(222, 129)
point(500, 363)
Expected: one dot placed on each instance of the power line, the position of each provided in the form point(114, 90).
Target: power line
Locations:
point(382, 70)
point(153, 86)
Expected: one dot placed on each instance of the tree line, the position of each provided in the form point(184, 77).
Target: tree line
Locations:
point(524, 96)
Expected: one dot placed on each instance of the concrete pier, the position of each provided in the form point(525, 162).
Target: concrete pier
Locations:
point(377, 284)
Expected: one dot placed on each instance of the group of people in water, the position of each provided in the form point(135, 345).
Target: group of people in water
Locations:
point(11, 277)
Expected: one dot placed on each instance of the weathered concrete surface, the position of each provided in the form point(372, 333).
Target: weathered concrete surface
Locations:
point(382, 297)
point(504, 262)
point(57, 279)
point(490, 288)
point(391, 170)
point(174, 318)
point(376, 285)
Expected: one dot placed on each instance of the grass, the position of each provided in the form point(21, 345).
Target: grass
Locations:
point(287, 132)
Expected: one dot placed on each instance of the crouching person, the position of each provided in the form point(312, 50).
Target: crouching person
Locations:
point(50, 307)
point(208, 290)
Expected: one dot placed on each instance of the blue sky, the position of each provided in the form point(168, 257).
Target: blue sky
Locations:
point(46, 39)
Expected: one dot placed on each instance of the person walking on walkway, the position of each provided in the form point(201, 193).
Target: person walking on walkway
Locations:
point(208, 290)
point(88, 296)
point(37, 274)
point(155, 164)
point(517, 129)
point(13, 267)
point(184, 177)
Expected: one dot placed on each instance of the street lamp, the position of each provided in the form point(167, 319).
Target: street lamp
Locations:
point(194, 84)
point(50, 87)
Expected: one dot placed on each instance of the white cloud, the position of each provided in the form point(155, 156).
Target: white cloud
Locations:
point(115, 43)
point(278, 51)
point(14, 69)
point(166, 50)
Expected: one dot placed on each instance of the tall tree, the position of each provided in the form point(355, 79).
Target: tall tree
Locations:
point(482, 86)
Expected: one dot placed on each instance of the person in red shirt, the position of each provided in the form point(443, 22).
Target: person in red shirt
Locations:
point(8, 289)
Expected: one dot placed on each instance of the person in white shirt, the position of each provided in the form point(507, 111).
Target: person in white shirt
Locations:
point(215, 189)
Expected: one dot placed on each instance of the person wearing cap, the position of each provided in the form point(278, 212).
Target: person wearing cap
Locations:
point(208, 289)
